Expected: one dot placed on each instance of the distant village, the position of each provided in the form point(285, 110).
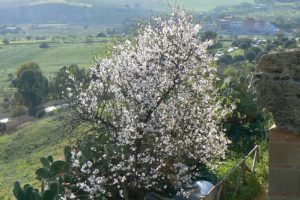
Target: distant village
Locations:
point(239, 25)
point(10, 29)
point(227, 25)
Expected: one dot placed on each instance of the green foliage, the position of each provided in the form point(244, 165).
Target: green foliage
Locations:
point(40, 113)
point(53, 169)
point(3, 127)
point(216, 45)
point(255, 182)
point(5, 41)
point(19, 110)
point(89, 40)
point(29, 193)
point(32, 86)
point(28, 66)
point(101, 34)
point(239, 58)
point(44, 45)
point(290, 44)
point(250, 55)
point(256, 49)
point(61, 83)
point(260, 55)
point(225, 59)
point(243, 43)
point(208, 35)
point(249, 123)
point(270, 47)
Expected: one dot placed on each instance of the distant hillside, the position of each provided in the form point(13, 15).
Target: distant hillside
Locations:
point(286, 1)
point(68, 14)
point(99, 12)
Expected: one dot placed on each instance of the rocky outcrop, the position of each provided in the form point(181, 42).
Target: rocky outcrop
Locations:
point(277, 81)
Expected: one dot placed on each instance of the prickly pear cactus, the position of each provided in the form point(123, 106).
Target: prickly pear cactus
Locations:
point(49, 175)
point(29, 193)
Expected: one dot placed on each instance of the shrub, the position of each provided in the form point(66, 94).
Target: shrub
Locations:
point(235, 43)
point(101, 34)
point(229, 71)
point(2, 127)
point(225, 59)
point(40, 113)
point(290, 44)
point(257, 49)
point(44, 45)
point(5, 41)
point(239, 58)
point(208, 35)
point(250, 55)
point(89, 40)
point(217, 45)
point(244, 43)
point(19, 110)
point(270, 47)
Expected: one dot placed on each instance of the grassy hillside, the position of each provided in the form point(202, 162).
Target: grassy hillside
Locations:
point(20, 151)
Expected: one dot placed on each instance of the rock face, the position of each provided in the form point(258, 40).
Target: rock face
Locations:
point(277, 81)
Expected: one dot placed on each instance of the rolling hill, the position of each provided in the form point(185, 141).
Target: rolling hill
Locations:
point(99, 12)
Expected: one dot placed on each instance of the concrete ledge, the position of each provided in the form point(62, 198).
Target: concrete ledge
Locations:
point(284, 165)
point(282, 198)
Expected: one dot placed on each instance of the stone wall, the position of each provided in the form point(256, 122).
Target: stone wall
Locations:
point(277, 81)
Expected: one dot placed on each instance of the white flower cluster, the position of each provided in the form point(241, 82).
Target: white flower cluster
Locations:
point(157, 98)
point(88, 180)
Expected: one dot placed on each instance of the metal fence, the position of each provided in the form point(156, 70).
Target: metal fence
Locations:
point(218, 191)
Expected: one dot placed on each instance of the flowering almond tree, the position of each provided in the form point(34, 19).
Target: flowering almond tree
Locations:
point(159, 108)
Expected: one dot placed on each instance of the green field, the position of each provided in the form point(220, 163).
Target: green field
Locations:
point(50, 60)
point(192, 5)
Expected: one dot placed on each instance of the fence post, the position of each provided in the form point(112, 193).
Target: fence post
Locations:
point(220, 191)
point(255, 159)
point(242, 177)
point(58, 186)
point(43, 186)
point(244, 169)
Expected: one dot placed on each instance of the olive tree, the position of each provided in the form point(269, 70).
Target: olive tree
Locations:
point(159, 110)
point(32, 86)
